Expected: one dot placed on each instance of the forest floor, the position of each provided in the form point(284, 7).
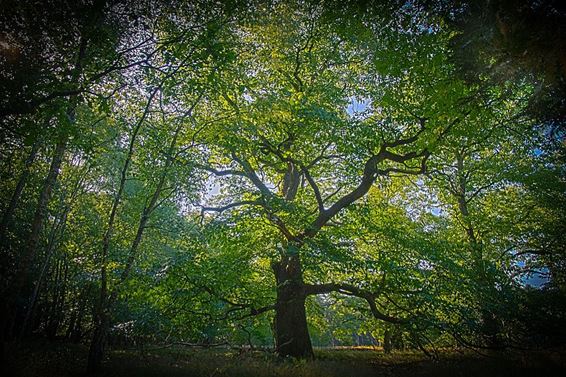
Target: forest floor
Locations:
point(63, 360)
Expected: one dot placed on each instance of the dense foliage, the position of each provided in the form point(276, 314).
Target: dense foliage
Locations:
point(282, 174)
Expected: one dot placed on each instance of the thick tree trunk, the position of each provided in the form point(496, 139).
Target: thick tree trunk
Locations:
point(291, 331)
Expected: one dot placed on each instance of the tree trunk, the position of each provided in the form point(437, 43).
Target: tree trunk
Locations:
point(387, 343)
point(9, 212)
point(52, 323)
point(291, 331)
point(102, 315)
point(41, 211)
point(75, 332)
point(98, 342)
point(28, 256)
point(37, 285)
point(15, 309)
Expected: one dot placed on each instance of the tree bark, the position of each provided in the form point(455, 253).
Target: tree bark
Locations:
point(291, 330)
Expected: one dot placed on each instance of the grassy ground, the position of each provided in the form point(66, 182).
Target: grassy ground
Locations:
point(44, 359)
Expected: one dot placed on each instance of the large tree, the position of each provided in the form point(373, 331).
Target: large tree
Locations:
point(171, 167)
point(299, 153)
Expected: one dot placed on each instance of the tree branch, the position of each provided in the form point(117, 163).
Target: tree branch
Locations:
point(315, 189)
point(250, 173)
point(236, 306)
point(352, 290)
point(229, 206)
point(412, 139)
point(220, 173)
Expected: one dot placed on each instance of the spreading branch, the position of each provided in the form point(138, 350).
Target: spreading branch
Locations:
point(237, 306)
point(352, 290)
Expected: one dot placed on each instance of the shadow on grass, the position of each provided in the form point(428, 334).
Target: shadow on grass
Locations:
point(44, 359)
